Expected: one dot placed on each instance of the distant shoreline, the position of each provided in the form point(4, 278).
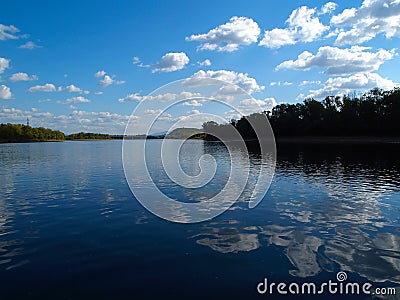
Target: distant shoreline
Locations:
point(278, 140)
point(30, 141)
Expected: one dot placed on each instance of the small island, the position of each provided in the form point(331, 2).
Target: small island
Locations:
point(81, 136)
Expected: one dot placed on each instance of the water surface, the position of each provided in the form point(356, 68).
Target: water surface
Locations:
point(71, 228)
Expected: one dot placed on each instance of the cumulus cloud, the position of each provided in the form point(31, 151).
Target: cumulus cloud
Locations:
point(48, 87)
point(99, 74)
point(29, 45)
point(243, 80)
point(229, 36)
point(73, 89)
point(362, 24)
point(4, 63)
point(279, 83)
point(78, 99)
point(340, 61)
point(5, 92)
point(251, 105)
point(136, 61)
point(328, 8)
point(131, 97)
point(344, 85)
point(194, 102)
point(204, 63)
point(309, 82)
point(160, 97)
point(303, 26)
point(152, 111)
point(75, 121)
point(171, 62)
point(22, 77)
point(8, 32)
point(107, 79)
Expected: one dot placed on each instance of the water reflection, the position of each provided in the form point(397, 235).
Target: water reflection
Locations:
point(10, 247)
point(337, 208)
point(228, 239)
point(345, 211)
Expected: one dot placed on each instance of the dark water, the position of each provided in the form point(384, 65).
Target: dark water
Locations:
point(70, 227)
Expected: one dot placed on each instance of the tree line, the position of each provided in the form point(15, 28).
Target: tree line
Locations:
point(24, 133)
point(88, 136)
point(375, 113)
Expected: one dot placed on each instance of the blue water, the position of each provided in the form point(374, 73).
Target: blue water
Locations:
point(70, 227)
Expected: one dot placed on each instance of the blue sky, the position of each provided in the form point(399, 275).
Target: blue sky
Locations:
point(84, 66)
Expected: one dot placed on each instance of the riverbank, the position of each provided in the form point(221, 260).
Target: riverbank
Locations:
point(28, 141)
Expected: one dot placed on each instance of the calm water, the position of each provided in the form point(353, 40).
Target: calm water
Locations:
point(71, 228)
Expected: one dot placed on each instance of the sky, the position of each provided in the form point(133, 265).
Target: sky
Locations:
point(86, 66)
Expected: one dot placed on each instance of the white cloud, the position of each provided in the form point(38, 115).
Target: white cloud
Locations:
point(29, 45)
point(308, 82)
point(171, 62)
point(195, 112)
point(344, 16)
point(165, 117)
point(340, 61)
point(279, 83)
point(5, 92)
point(135, 60)
point(4, 63)
point(8, 32)
point(48, 87)
point(76, 121)
point(229, 36)
point(303, 26)
point(194, 102)
point(73, 89)
point(204, 63)
point(22, 77)
point(152, 111)
point(78, 99)
point(98, 93)
point(106, 81)
point(243, 80)
point(328, 8)
point(161, 97)
point(131, 97)
point(251, 105)
point(99, 74)
point(362, 24)
point(344, 85)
